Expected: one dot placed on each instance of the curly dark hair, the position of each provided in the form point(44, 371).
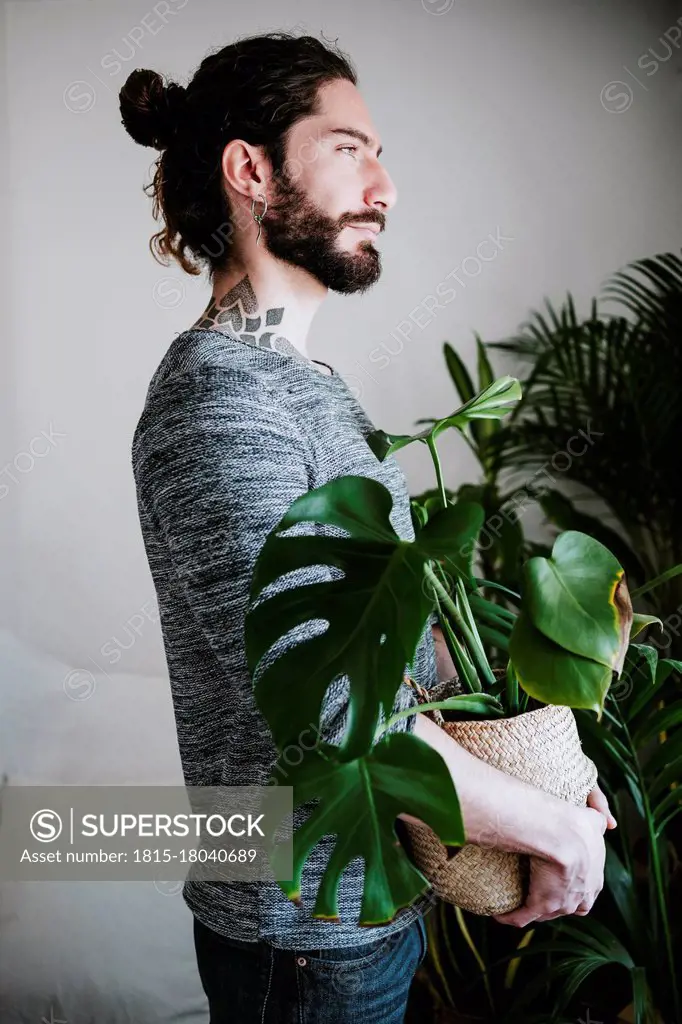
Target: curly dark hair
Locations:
point(255, 89)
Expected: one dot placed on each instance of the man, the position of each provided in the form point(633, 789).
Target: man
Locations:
point(271, 176)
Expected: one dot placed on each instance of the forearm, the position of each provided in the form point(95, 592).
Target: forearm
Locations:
point(497, 809)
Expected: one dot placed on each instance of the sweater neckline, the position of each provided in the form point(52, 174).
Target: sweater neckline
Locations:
point(294, 355)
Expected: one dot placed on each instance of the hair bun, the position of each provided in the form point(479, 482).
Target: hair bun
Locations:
point(150, 110)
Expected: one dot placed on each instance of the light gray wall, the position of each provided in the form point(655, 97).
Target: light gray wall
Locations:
point(8, 507)
point(497, 117)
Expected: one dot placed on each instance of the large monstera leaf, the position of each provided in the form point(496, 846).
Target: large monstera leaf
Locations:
point(574, 627)
point(376, 612)
point(359, 802)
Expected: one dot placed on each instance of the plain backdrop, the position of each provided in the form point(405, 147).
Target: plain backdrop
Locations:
point(553, 127)
point(541, 122)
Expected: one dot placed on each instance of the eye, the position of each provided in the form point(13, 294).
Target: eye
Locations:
point(352, 148)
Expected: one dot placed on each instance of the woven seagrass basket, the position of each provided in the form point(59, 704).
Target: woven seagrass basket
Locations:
point(543, 748)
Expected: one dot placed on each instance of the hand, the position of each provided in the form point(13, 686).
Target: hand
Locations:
point(445, 667)
point(570, 881)
point(598, 800)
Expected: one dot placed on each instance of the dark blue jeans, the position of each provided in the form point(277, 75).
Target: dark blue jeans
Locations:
point(258, 983)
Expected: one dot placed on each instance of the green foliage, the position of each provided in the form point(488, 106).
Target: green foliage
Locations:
point(376, 612)
point(381, 594)
point(627, 949)
point(359, 801)
point(491, 404)
point(637, 747)
point(501, 546)
point(602, 392)
point(575, 627)
point(605, 390)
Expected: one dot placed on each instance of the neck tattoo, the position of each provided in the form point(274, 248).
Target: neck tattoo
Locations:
point(237, 313)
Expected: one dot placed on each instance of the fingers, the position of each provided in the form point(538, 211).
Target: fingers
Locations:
point(597, 799)
point(532, 911)
point(570, 886)
point(518, 918)
point(527, 915)
point(530, 914)
point(586, 904)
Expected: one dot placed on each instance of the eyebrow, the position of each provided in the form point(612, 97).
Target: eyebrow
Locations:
point(355, 134)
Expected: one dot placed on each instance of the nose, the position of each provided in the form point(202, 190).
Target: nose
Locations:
point(382, 193)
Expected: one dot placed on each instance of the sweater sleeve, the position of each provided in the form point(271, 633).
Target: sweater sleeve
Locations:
point(224, 464)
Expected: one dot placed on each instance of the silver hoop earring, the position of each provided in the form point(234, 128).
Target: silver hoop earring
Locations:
point(258, 217)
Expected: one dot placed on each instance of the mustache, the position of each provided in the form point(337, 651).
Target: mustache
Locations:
point(364, 219)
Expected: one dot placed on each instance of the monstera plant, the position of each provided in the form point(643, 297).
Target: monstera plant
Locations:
point(566, 637)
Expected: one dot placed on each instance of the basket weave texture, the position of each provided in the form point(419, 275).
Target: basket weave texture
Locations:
point(541, 747)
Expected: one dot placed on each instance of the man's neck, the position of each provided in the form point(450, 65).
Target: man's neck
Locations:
point(275, 317)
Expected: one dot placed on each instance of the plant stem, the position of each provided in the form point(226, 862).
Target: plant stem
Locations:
point(475, 649)
point(663, 578)
point(512, 689)
point(449, 704)
point(479, 959)
point(466, 670)
point(439, 472)
point(465, 667)
point(467, 628)
point(463, 600)
point(655, 864)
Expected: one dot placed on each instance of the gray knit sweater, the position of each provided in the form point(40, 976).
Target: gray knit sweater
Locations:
point(230, 434)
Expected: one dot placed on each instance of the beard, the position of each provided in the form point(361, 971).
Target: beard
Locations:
point(295, 230)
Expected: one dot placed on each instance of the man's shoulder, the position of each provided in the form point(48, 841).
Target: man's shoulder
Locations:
point(203, 390)
point(205, 356)
point(202, 368)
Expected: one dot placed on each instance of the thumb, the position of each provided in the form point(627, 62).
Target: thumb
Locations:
point(597, 799)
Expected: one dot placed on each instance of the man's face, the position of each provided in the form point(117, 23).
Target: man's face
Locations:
point(331, 181)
